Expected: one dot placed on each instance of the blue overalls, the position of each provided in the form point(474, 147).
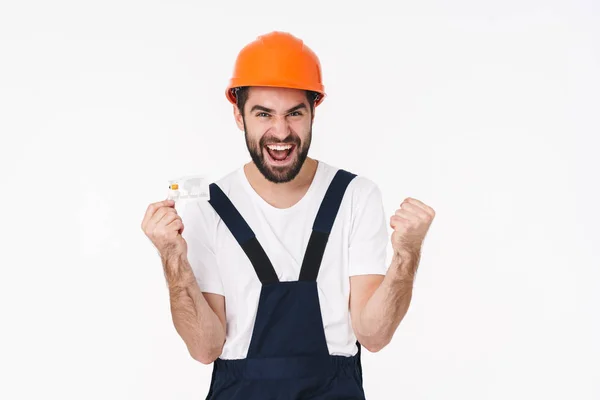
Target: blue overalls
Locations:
point(288, 357)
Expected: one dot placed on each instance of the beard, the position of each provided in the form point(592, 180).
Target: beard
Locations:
point(278, 174)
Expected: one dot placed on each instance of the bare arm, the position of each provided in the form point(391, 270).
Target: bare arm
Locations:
point(198, 318)
point(378, 304)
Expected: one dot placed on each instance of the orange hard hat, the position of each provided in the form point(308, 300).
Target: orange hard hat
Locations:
point(277, 59)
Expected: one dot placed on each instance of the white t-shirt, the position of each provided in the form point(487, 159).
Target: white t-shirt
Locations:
point(357, 246)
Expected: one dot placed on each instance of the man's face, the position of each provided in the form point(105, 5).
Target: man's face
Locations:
point(278, 127)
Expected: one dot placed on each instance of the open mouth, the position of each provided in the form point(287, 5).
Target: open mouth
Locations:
point(280, 153)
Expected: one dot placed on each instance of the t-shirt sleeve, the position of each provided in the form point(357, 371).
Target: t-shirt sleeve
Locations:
point(368, 236)
point(198, 232)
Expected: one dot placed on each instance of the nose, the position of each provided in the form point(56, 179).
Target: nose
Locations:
point(281, 127)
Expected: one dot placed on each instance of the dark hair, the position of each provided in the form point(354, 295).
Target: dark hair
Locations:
point(241, 96)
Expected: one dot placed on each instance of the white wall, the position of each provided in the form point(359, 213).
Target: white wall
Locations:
point(487, 111)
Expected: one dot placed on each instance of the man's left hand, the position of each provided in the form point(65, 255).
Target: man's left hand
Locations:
point(410, 223)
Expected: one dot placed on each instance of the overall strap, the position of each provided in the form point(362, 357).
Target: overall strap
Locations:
point(323, 224)
point(243, 234)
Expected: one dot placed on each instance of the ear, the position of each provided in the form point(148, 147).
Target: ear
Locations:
point(239, 121)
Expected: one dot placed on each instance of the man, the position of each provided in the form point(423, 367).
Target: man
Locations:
point(280, 278)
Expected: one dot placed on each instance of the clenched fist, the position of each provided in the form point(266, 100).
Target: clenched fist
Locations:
point(410, 223)
point(164, 226)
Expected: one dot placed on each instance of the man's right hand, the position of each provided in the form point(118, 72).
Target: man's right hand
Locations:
point(198, 318)
point(163, 226)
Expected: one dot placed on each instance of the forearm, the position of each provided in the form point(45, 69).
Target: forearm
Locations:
point(195, 321)
point(385, 309)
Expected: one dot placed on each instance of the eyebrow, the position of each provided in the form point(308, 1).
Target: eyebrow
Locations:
point(269, 110)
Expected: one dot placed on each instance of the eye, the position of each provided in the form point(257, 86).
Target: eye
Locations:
point(262, 114)
point(296, 114)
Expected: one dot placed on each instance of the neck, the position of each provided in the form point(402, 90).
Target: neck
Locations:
point(282, 195)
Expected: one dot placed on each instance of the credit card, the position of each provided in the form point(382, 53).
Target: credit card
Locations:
point(192, 187)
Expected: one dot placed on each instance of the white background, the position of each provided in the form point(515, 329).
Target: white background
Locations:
point(486, 111)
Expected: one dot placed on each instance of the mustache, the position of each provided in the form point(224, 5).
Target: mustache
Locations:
point(290, 139)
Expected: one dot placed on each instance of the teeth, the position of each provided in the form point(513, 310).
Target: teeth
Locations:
point(279, 147)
